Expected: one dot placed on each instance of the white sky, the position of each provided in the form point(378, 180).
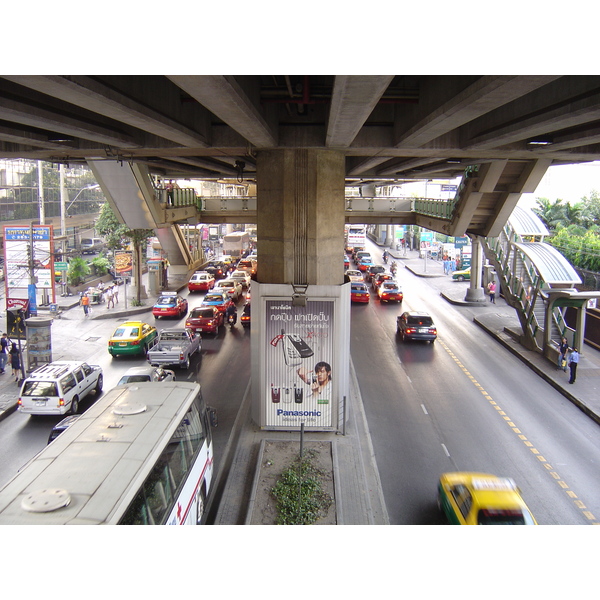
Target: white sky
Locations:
point(567, 182)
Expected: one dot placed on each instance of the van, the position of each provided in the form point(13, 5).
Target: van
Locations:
point(91, 245)
point(58, 388)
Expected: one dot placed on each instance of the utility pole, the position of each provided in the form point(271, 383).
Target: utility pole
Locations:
point(41, 193)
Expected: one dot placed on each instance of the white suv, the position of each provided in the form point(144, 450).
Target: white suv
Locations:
point(58, 388)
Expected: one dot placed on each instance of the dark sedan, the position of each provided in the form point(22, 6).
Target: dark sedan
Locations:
point(217, 268)
point(416, 326)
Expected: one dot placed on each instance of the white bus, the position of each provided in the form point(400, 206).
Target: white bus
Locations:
point(356, 237)
point(236, 243)
point(141, 455)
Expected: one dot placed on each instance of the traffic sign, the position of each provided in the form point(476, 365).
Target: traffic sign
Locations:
point(61, 266)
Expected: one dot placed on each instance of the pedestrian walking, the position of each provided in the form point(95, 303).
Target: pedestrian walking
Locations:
point(15, 361)
point(115, 293)
point(573, 362)
point(110, 297)
point(85, 303)
point(563, 349)
point(4, 345)
point(492, 291)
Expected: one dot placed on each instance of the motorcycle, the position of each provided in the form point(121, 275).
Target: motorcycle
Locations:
point(232, 319)
point(393, 269)
point(385, 257)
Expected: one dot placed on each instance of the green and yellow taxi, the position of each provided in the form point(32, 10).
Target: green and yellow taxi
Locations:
point(464, 275)
point(482, 499)
point(131, 337)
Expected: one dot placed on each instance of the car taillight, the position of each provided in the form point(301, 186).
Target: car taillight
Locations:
point(181, 356)
point(20, 401)
point(135, 342)
point(411, 330)
point(61, 401)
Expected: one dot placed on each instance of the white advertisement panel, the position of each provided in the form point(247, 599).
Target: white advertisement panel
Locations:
point(298, 359)
point(25, 256)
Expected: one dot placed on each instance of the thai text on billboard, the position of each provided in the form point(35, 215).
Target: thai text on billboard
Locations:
point(299, 355)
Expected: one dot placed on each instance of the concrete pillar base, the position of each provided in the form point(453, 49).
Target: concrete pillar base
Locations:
point(475, 295)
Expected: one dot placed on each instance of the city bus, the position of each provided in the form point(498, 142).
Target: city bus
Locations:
point(356, 237)
point(141, 455)
point(236, 243)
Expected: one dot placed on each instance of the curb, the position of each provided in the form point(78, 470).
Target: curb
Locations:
point(541, 373)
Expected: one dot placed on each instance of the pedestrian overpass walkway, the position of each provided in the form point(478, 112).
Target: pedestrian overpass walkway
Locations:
point(537, 281)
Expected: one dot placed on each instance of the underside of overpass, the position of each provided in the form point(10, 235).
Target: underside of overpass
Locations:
point(302, 140)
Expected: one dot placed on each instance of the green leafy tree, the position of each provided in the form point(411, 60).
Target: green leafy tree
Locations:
point(78, 270)
point(118, 235)
point(100, 265)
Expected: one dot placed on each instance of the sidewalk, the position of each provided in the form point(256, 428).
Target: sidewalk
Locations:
point(68, 309)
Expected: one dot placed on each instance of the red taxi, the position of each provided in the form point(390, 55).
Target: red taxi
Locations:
point(389, 291)
point(206, 319)
point(359, 292)
point(201, 281)
point(170, 304)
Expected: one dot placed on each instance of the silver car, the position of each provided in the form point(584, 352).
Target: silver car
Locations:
point(141, 374)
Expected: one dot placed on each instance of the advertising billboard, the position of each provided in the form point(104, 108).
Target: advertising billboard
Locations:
point(29, 261)
point(298, 359)
point(123, 264)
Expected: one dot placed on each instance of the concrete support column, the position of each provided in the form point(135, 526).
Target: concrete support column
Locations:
point(300, 303)
point(475, 293)
point(580, 328)
point(300, 216)
point(389, 236)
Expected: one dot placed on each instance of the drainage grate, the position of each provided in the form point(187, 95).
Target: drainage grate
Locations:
point(92, 339)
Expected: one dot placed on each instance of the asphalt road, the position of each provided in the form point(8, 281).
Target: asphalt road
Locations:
point(223, 370)
point(464, 403)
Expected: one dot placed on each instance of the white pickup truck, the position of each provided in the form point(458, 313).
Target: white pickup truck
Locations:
point(174, 347)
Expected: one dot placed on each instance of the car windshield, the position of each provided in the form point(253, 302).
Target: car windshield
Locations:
point(503, 517)
point(40, 388)
point(389, 286)
point(127, 332)
point(202, 313)
point(357, 288)
point(213, 298)
point(169, 300)
point(420, 320)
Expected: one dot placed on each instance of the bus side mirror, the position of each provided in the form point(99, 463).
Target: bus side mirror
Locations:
point(212, 416)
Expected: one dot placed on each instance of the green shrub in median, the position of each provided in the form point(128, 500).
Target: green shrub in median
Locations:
point(300, 499)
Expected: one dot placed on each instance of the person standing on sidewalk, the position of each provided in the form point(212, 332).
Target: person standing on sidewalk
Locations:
point(3, 352)
point(15, 361)
point(85, 303)
point(110, 297)
point(492, 291)
point(563, 349)
point(573, 362)
point(115, 293)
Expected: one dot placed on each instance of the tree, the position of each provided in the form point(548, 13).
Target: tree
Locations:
point(118, 235)
point(78, 270)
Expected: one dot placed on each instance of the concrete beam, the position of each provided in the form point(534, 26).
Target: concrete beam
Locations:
point(224, 97)
point(352, 102)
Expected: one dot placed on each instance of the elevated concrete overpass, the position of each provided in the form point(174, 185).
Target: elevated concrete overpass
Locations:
point(389, 127)
point(302, 140)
